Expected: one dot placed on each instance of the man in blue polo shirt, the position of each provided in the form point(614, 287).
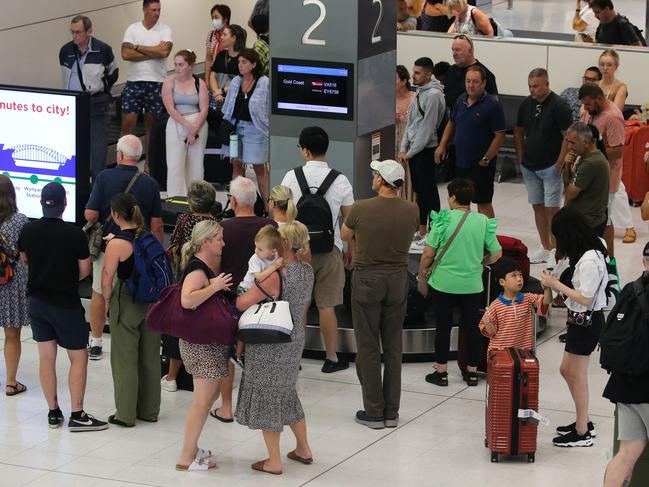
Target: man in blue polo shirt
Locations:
point(109, 183)
point(477, 124)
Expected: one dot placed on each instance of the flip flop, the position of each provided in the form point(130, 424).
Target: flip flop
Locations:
point(259, 467)
point(294, 456)
point(223, 420)
point(198, 465)
point(16, 389)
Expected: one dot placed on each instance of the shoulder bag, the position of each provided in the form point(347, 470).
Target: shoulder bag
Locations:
point(422, 285)
point(267, 322)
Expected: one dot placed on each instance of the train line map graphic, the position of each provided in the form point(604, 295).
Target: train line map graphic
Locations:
point(36, 163)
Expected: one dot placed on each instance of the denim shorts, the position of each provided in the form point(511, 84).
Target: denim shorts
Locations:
point(253, 144)
point(142, 96)
point(544, 187)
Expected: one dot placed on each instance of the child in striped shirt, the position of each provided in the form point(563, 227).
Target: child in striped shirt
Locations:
point(508, 321)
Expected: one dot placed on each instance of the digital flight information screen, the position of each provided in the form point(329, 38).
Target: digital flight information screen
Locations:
point(313, 89)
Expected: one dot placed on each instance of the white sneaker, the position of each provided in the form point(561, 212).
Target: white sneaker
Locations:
point(417, 246)
point(168, 385)
point(552, 261)
point(540, 256)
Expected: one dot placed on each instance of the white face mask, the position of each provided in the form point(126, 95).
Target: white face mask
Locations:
point(217, 24)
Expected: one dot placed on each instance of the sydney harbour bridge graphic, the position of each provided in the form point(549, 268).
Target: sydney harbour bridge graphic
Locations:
point(36, 160)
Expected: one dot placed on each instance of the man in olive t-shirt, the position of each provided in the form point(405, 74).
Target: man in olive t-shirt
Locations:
point(586, 181)
point(381, 229)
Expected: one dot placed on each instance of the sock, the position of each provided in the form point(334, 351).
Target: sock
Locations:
point(334, 358)
point(76, 414)
point(96, 342)
point(57, 410)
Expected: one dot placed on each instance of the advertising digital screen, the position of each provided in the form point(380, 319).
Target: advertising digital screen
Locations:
point(313, 89)
point(42, 135)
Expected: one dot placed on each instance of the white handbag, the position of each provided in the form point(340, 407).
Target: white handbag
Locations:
point(268, 322)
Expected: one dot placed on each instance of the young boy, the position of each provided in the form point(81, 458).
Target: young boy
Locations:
point(508, 321)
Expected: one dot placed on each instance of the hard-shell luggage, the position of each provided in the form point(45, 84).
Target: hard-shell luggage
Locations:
point(634, 169)
point(515, 249)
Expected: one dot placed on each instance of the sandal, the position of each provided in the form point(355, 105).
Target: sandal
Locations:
point(17, 388)
point(629, 236)
point(259, 467)
point(203, 454)
point(294, 456)
point(198, 465)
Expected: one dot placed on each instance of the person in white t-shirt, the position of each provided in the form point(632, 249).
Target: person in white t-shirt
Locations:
point(145, 47)
point(328, 267)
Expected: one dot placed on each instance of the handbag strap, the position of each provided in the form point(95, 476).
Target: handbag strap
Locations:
point(449, 242)
point(266, 293)
point(128, 188)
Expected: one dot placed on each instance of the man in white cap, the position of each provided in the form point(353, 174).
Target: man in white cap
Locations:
point(381, 228)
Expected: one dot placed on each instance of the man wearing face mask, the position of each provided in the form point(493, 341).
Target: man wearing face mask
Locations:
point(419, 141)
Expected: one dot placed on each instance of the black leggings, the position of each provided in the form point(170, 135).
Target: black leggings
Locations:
point(444, 304)
point(422, 176)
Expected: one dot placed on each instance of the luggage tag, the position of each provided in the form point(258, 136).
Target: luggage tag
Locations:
point(532, 415)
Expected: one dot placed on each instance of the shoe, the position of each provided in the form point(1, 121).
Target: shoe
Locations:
point(391, 422)
point(471, 378)
point(541, 256)
point(373, 422)
point(552, 260)
point(563, 338)
point(168, 385)
point(330, 366)
point(113, 420)
point(629, 236)
point(95, 353)
point(55, 419)
point(438, 378)
point(573, 439)
point(418, 236)
point(86, 422)
point(564, 430)
point(418, 244)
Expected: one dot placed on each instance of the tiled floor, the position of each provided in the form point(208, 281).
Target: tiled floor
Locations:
point(439, 441)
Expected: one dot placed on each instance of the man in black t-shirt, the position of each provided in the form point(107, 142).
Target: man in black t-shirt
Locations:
point(454, 82)
point(57, 256)
point(613, 28)
point(543, 118)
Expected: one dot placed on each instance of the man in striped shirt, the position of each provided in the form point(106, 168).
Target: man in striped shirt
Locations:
point(509, 320)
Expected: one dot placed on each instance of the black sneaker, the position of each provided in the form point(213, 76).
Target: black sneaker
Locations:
point(392, 422)
point(471, 378)
point(564, 430)
point(438, 378)
point(376, 423)
point(563, 338)
point(95, 353)
point(86, 423)
point(573, 439)
point(55, 419)
point(330, 366)
point(114, 420)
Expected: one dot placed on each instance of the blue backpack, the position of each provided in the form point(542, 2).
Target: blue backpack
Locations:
point(151, 271)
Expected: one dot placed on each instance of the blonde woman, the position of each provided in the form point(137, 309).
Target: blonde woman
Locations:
point(281, 205)
point(268, 398)
point(469, 20)
point(616, 91)
point(135, 351)
point(208, 364)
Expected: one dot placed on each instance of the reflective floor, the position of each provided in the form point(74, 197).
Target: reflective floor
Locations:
point(556, 15)
point(439, 441)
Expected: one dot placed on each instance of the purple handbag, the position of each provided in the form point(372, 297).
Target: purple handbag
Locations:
point(211, 322)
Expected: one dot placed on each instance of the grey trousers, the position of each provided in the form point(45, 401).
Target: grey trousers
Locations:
point(379, 299)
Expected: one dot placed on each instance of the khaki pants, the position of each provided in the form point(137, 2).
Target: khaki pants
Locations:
point(134, 358)
point(379, 300)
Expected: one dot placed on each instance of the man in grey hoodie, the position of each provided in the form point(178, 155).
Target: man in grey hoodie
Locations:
point(420, 140)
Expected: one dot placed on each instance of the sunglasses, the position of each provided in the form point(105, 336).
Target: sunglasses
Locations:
point(464, 37)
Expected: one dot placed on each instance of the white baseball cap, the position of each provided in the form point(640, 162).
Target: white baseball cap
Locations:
point(391, 171)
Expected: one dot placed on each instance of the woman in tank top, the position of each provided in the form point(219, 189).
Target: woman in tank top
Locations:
point(469, 20)
point(185, 98)
point(614, 89)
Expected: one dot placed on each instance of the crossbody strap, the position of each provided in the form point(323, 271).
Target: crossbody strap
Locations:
point(130, 184)
point(266, 293)
point(439, 256)
point(421, 110)
point(83, 86)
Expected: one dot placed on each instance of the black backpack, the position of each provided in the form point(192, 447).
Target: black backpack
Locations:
point(314, 211)
point(624, 340)
point(621, 20)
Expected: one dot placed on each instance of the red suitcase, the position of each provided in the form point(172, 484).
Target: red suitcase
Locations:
point(515, 249)
point(512, 384)
point(634, 169)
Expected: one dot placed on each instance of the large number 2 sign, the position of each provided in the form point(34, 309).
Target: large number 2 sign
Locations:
point(306, 37)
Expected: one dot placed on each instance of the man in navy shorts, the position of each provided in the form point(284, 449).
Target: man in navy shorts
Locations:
point(57, 256)
point(145, 47)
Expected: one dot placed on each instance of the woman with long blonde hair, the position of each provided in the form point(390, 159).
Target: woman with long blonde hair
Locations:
point(614, 89)
point(208, 363)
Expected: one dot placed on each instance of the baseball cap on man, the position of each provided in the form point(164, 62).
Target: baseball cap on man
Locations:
point(391, 171)
point(53, 200)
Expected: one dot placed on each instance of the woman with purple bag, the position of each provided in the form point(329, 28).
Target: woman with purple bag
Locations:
point(208, 363)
